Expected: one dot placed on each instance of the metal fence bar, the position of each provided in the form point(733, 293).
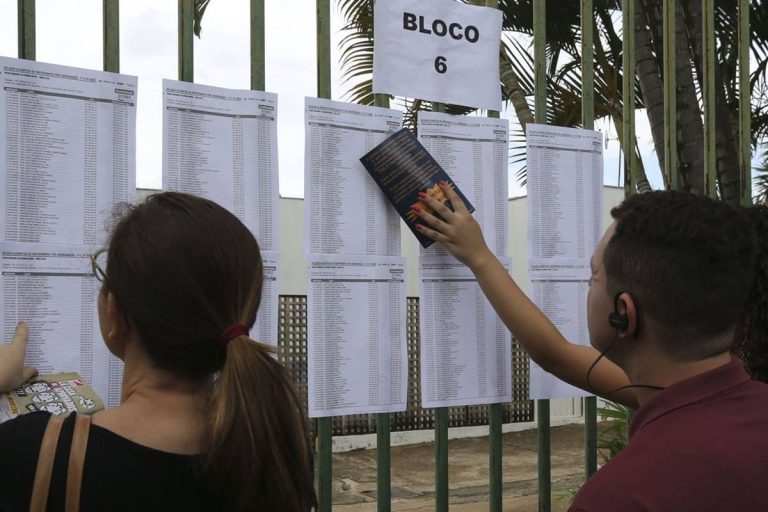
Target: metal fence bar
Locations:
point(540, 104)
point(324, 425)
point(628, 95)
point(383, 422)
point(495, 414)
point(441, 432)
point(383, 463)
point(670, 94)
point(258, 58)
point(186, 44)
point(111, 32)
point(708, 65)
point(588, 122)
point(441, 459)
point(745, 106)
point(26, 19)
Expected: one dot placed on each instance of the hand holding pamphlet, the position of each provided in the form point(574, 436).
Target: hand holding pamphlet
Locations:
point(403, 168)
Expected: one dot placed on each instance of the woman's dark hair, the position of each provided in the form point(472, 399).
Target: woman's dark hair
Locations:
point(183, 269)
point(753, 347)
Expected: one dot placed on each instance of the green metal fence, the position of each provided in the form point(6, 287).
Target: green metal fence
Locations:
point(111, 28)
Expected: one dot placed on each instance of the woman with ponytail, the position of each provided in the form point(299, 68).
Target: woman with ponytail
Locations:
point(209, 420)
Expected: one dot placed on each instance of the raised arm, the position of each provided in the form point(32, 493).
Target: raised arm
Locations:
point(458, 232)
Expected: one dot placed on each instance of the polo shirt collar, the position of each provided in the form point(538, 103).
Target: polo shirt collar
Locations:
point(688, 391)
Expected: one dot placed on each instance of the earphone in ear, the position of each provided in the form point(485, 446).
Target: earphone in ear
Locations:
point(618, 321)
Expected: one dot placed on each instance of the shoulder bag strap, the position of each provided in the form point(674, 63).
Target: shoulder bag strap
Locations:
point(42, 482)
point(76, 462)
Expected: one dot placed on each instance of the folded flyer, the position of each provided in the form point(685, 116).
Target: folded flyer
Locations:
point(59, 393)
point(402, 167)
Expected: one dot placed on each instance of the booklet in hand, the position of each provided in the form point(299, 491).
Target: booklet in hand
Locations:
point(402, 167)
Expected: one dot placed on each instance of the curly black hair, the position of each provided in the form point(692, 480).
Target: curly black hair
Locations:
point(689, 261)
point(753, 348)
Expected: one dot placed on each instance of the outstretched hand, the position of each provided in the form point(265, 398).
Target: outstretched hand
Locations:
point(12, 370)
point(456, 229)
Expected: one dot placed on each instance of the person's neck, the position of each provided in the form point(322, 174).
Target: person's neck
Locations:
point(148, 388)
point(654, 368)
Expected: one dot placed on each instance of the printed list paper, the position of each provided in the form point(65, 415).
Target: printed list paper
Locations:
point(474, 152)
point(345, 210)
point(565, 177)
point(53, 289)
point(222, 144)
point(358, 361)
point(466, 351)
point(67, 151)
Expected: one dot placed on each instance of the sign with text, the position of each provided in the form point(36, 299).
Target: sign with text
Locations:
point(438, 50)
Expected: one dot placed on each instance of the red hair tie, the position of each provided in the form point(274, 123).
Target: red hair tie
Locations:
point(231, 333)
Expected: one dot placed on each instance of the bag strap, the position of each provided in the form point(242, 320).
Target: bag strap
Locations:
point(77, 462)
point(42, 482)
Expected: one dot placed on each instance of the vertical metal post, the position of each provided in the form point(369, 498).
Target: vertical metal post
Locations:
point(383, 463)
point(441, 432)
point(710, 140)
point(745, 161)
point(495, 447)
point(26, 20)
point(588, 122)
point(495, 413)
point(111, 30)
point(670, 94)
point(628, 95)
point(186, 44)
point(324, 49)
point(542, 406)
point(258, 58)
point(441, 459)
point(324, 425)
point(383, 421)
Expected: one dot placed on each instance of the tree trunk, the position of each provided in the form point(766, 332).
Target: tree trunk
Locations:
point(690, 128)
point(515, 93)
point(612, 93)
point(649, 77)
point(728, 172)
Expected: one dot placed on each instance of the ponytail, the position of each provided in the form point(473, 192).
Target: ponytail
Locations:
point(195, 262)
point(753, 348)
point(258, 451)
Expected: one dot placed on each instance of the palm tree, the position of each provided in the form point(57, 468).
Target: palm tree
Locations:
point(564, 78)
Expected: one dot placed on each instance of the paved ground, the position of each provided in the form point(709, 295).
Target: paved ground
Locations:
point(354, 474)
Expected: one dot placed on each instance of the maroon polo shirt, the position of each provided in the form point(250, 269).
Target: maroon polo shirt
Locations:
point(699, 445)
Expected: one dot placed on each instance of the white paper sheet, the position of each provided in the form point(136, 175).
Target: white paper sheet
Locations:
point(345, 212)
point(53, 289)
point(474, 151)
point(265, 329)
point(565, 304)
point(222, 144)
point(67, 151)
point(565, 177)
point(466, 351)
point(358, 360)
point(439, 50)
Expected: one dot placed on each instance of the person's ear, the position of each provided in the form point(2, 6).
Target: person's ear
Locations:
point(118, 327)
point(626, 308)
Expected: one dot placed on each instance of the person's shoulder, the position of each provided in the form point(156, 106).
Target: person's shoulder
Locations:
point(607, 489)
point(26, 427)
